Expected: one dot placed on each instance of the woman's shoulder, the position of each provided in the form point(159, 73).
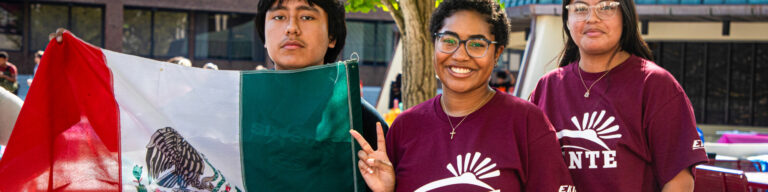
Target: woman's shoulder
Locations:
point(655, 74)
point(555, 74)
point(655, 79)
point(419, 111)
point(510, 104)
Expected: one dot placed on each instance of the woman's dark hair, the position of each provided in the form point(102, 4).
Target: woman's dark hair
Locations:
point(337, 27)
point(630, 40)
point(488, 8)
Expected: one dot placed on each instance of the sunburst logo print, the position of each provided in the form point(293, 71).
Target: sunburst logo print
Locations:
point(467, 171)
point(592, 128)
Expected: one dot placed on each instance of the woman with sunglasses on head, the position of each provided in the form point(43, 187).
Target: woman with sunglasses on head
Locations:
point(472, 137)
point(624, 123)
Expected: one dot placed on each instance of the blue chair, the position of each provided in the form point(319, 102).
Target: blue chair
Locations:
point(758, 1)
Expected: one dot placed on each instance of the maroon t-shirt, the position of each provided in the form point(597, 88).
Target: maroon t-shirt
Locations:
point(634, 132)
point(506, 145)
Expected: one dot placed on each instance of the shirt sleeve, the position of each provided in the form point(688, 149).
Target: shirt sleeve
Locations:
point(674, 143)
point(391, 140)
point(534, 96)
point(544, 167)
point(14, 72)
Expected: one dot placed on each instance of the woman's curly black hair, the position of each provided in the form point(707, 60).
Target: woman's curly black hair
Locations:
point(337, 27)
point(489, 8)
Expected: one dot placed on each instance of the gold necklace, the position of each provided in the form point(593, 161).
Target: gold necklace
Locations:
point(586, 94)
point(445, 110)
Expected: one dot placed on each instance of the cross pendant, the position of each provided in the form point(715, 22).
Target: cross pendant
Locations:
point(453, 132)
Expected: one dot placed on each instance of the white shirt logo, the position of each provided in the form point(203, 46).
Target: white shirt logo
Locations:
point(467, 171)
point(591, 129)
point(698, 144)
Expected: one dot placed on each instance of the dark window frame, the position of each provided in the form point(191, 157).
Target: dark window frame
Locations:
point(752, 104)
point(152, 11)
point(69, 5)
point(377, 23)
point(24, 16)
point(230, 37)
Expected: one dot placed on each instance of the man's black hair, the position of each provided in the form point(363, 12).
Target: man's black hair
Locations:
point(489, 8)
point(337, 28)
point(3, 54)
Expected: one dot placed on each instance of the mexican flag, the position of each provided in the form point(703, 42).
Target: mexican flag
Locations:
point(97, 120)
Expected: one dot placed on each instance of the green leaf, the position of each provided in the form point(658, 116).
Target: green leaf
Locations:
point(437, 2)
point(137, 172)
point(366, 6)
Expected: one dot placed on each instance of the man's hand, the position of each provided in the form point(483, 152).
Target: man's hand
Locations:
point(57, 35)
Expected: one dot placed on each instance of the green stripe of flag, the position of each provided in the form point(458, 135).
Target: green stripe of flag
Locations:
point(294, 128)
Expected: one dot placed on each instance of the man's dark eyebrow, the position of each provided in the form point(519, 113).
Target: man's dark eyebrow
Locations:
point(303, 7)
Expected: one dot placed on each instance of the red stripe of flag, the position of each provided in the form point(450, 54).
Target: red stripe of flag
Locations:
point(67, 135)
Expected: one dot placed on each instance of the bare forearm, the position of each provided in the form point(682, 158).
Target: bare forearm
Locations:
point(9, 78)
point(682, 182)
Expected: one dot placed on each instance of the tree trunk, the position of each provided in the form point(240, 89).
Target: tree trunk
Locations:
point(419, 82)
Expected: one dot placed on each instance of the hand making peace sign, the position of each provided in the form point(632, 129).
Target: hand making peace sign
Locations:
point(374, 165)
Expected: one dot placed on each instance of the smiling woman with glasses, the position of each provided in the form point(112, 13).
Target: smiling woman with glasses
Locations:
point(624, 123)
point(472, 137)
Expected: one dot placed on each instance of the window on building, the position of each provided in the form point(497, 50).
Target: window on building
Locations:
point(85, 21)
point(727, 83)
point(11, 26)
point(153, 33)
point(137, 31)
point(227, 36)
point(374, 42)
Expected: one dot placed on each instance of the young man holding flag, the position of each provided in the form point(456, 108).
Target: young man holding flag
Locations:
point(304, 33)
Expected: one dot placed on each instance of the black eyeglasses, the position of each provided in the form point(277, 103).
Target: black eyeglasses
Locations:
point(449, 43)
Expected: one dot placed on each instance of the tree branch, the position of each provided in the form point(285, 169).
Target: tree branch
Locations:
point(397, 15)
